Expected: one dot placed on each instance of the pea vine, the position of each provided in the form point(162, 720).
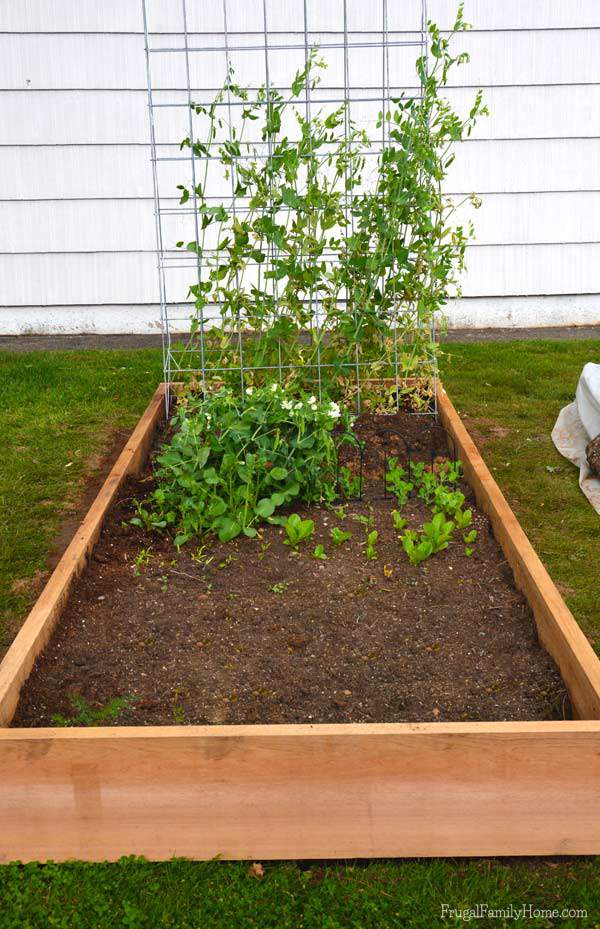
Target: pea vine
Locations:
point(233, 461)
point(318, 266)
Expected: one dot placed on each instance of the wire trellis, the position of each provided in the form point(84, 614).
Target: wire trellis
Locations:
point(190, 63)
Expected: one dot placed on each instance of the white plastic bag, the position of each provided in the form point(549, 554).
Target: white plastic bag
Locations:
point(577, 423)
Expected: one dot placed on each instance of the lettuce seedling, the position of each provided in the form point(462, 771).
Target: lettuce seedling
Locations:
point(438, 532)
point(395, 481)
point(447, 501)
point(434, 538)
point(338, 536)
point(468, 539)
point(319, 553)
point(370, 550)
point(298, 530)
point(398, 520)
point(417, 550)
point(463, 519)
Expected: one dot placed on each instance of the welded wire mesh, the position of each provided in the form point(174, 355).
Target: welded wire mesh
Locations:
point(191, 47)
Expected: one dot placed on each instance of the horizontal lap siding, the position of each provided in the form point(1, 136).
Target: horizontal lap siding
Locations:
point(76, 186)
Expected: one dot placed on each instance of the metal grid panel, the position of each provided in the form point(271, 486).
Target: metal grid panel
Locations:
point(370, 52)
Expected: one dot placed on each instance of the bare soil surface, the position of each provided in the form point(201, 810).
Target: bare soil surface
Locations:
point(252, 632)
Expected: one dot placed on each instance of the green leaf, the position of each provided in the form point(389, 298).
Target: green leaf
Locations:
point(290, 197)
point(264, 507)
point(228, 530)
point(202, 456)
point(217, 507)
point(210, 476)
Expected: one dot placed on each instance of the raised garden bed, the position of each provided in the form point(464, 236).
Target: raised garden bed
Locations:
point(389, 669)
point(251, 631)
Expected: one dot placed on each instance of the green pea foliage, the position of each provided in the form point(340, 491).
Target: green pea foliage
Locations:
point(312, 222)
point(233, 461)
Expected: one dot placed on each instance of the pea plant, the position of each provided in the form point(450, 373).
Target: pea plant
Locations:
point(233, 461)
point(316, 262)
point(296, 198)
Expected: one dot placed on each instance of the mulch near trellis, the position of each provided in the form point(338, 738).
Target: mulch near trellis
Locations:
point(262, 635)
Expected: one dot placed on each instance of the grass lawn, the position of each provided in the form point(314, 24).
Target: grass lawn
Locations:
point(59, 411)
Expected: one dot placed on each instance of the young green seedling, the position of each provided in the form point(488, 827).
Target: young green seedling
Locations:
point(298, 530)
point(438, 532)
point(463, 519)
point(398, 520)
point(370, 549)
point(338, 536)
point(450, 472)
point(416, 549)
point(86, 715)
point(468, 539)
point(447, 501)
point(428, 486)
point(319, 553)
point(395, 481)
point(141, 560)
point(350, 484)
point(264, 548)
point(279, 588)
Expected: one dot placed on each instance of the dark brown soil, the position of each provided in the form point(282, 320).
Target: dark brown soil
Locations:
point(251, 632)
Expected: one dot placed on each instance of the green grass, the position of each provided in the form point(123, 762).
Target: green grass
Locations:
point(55, 415)
point(521, 387)
point(58, 410)
point(218, 895)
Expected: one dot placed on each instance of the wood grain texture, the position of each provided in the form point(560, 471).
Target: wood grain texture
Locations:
point(557, 628)
point(38, 626)
point(328, 791)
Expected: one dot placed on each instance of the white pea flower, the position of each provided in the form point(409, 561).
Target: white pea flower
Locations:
point(249, 391)
point(298, 406)
point(286, 405)
point(334, 410)
point(274, 386)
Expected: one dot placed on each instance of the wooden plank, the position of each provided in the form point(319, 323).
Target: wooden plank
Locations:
point(328, 791)
point(557, 628)
point(38, 626)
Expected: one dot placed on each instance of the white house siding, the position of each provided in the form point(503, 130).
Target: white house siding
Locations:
point(77, 230)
